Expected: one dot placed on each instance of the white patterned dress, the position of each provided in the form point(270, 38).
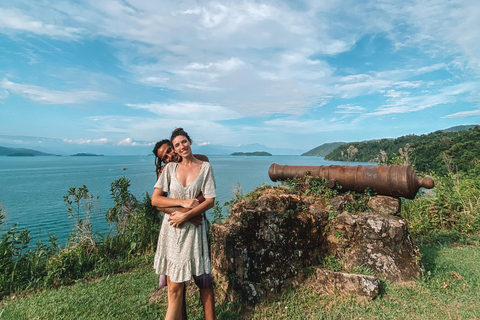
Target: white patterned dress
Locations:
point(183, 252)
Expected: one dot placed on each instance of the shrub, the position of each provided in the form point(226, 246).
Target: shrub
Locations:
point(23, 268)
point(454, 204)
point(87, 254)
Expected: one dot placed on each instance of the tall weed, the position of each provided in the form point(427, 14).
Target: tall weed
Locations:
point(453, 205)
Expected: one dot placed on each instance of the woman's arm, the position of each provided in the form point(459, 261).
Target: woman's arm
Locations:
point(159, 200)
point(170, 210)
point(177, 218)
point(196, 220)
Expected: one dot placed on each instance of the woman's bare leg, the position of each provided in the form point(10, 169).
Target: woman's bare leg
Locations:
point(175, 300)
point(208, 302)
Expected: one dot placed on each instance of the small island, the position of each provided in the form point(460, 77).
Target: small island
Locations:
point(256, 153)
point(86, 155)
point(21, 154)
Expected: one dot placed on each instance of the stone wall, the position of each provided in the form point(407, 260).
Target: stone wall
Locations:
point(275, 238)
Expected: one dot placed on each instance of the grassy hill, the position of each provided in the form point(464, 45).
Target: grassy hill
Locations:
point(452, 278)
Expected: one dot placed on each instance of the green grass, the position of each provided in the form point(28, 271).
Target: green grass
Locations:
point(438, 295)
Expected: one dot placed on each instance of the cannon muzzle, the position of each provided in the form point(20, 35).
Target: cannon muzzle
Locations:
point(394, 180)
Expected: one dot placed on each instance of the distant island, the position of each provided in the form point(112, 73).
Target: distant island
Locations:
point(86, 155)
point(22, 152)
point(256, 153)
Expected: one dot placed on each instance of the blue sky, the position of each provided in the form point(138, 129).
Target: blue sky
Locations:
point(116, 76)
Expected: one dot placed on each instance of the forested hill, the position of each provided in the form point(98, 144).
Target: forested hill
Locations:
point(323, 150)
point(4, 151)
point(434, 152)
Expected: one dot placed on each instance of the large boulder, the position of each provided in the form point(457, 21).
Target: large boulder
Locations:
point(275, 238)
point(377, 241)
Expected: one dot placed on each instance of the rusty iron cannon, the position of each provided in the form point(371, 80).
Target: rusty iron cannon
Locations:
point(394, 180)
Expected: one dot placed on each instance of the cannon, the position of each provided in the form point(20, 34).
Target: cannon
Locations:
point(394, 180)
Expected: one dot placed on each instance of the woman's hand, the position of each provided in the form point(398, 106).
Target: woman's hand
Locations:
point(176, 218)
point(190, 203)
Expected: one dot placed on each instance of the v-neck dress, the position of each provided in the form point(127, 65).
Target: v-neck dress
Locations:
point(183, 252)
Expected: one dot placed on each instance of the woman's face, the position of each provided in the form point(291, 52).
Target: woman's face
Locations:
point(182, 145)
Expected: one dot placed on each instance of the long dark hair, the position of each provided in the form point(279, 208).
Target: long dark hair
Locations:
point(159, 161)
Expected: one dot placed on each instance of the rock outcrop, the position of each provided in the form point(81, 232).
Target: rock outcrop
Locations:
point(275, 238)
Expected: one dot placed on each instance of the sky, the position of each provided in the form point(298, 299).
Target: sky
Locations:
point(115, 76)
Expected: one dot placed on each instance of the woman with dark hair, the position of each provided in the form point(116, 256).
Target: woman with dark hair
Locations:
point(182, 250)
point(164, 153)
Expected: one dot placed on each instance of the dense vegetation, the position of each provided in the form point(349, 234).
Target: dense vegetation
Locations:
point(440, 152)
point(134, 235)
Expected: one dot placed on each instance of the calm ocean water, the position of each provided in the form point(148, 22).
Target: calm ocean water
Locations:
point(32, 188)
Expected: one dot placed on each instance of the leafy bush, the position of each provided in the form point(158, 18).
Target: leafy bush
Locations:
point(87, 254)
point(124, 205)
point(80, 202)
point(454, 204)
point(22, 268)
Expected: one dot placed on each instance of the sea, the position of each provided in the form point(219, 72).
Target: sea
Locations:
point(32, 188)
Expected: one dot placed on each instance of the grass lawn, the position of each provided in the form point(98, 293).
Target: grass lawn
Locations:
point(450, 289)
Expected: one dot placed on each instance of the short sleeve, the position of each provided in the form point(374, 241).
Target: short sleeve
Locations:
point(208, 185)
point(163, 182)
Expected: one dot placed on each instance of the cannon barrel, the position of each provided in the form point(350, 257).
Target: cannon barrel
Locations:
point(394, 180)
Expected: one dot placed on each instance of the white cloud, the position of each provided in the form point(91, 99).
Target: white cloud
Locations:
point(449, 26)
point(464, 114)
point(47, 96)
point(139, 129)
point(224, 50)
point(412, 104)
point(127, 142)
point(15, 21)
point(189, 110)
point(305, 127)
point(447, 95)
point(100, 141)
point(4, 94)
point(348, 109)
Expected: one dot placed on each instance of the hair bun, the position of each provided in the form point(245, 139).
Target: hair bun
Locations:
point(180, 132)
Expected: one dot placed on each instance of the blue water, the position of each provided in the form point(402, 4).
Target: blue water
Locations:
point(32, 188)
